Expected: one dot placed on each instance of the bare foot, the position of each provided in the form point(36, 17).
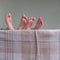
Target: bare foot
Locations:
point(9, 21)
point(23, 22)
point(30, 22)
point(39, 23)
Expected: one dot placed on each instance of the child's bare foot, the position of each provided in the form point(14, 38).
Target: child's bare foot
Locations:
point(23, 22)
point(30, 22)
point(39, 23)
point(9, 21)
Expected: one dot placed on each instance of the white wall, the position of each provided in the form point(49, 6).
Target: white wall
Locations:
point(48, 9)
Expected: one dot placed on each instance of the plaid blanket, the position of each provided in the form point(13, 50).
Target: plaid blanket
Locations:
point(30, 45)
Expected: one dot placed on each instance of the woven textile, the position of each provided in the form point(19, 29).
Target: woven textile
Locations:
point(30, 45)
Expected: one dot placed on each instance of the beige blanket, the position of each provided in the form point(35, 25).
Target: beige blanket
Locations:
point(30, 45)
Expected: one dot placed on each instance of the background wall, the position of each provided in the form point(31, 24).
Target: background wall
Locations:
point(48, 9)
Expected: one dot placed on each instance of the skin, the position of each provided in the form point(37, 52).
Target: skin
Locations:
point(39, 23)
point(26, 23)
point(8, 21)
point(23, 23)
point(30, 22)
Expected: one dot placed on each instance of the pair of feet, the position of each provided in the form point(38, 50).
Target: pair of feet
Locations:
point(26, 22)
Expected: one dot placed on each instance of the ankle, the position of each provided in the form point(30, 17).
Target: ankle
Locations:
point(28, 28)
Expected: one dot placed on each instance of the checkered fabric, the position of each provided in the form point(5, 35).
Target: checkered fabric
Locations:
point(30, 45)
